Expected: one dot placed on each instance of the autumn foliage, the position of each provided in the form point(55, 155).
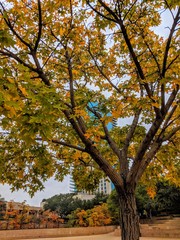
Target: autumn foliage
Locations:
point(97, 216)
point(13, 218)
point(72, 68)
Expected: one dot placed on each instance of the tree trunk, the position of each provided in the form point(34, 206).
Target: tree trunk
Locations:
point(129, 217)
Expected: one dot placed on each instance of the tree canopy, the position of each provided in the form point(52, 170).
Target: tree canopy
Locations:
point(54, 67)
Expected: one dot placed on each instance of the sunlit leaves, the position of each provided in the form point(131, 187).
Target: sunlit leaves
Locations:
point(69, 71)
point(97, 216)
point(26, 167)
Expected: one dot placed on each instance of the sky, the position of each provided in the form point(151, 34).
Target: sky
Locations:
point(53, 187)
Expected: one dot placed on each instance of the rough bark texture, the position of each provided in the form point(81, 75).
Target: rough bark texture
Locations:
point(129, 218)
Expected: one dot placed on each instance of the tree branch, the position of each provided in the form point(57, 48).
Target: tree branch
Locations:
point(109, 10)
point(154, 57)
point(131, 132)
point(172, 62)
point(40, 72)
point(147, 159)
point(170, 115)
point(39, 26)
point(170, 99)
point(75, 125)
point(62, 143)
point(9, 24)
point(143, 148)
point(15, 57)
point(50, 55)
point(167, 4)
point(111, 142)
point(99, 13)
point(106, 167)
point(36, 70)
point(164, 69)
point(171, 134)
point(68, 145)
point(101, 71)
point(132, 5)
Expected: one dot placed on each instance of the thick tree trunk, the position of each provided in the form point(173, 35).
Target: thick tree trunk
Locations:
point(129, 217)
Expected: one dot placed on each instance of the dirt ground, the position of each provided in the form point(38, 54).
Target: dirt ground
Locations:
point(109, 236)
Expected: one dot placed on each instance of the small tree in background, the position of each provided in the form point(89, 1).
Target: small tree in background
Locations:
point(114, 208)
point(167, 198)
point(9, 216)
point(97, 216)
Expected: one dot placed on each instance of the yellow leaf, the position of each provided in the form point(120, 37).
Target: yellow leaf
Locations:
point(10, 80)
point(155, 104)
point(10, 109)
point(151, 192)
point(23, 90)
point(61, 31)
point(74, 71)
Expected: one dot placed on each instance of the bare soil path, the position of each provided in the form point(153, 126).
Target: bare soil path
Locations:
point(109, 236)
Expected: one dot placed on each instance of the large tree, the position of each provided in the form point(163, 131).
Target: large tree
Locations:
point(71, 68)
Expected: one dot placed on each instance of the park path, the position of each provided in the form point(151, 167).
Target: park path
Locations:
point(109, 236)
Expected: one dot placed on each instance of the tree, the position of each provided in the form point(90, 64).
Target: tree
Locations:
point(167, 198)
point(10, 214)
point(114, 207)
point(64, 204)
point(2, 207)
point(23, 215)
point(97, 216)
point(145, 203)
point(1, 198)
point(70, 68)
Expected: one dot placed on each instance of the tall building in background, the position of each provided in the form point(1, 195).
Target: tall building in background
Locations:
point(72, 185)
point(105, 186)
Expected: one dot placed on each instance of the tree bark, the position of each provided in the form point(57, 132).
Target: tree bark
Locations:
point(130, 229)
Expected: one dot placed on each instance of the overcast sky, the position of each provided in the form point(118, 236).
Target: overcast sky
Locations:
point(53, 187)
